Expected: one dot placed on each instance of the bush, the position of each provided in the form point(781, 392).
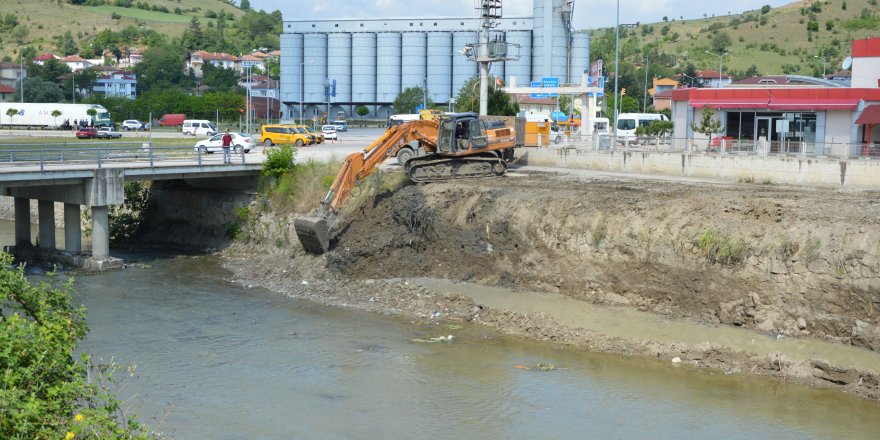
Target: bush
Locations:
point(46, 393)
point(279, 161)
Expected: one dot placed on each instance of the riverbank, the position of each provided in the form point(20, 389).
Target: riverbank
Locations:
point(782, 262)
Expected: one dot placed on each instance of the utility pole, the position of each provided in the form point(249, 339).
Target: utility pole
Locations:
point(488, 52)
point(616, 73)
point(645, 98)
point(21, 72)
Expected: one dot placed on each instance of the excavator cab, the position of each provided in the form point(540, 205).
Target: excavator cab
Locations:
point(461, 132)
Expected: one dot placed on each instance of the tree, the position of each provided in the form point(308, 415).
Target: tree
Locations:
point(721, 42)
point(67, 44)
point(500, 104)
point(245, 5)
point(39, 90)
point(362, 111)
point(765, 9)
point(162, 68)
point(55, 114)
point(49, 391)
point(11, 112)
point(708, 124)
point(408, 99)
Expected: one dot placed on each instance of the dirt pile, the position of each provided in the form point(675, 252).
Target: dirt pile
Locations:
point(782, 261)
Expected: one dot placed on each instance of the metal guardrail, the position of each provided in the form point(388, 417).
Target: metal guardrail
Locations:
point(99, 156)
point(833, 150)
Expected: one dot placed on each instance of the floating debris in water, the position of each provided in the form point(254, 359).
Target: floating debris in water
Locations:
point(437, 339)
point(538, 367)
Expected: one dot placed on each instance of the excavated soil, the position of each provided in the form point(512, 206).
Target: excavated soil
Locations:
point(782, 261)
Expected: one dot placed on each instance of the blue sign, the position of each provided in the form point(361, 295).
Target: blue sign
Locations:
point(537, 95)
point(333, 93)
point(550, 82)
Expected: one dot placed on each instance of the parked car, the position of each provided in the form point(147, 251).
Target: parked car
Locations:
point(319, 137)
point(108, 133)
point(133, 124)
point(214, 144)
point(341, 125)
point(283, 134)
point(313, 138)
point(87, 133)
point(199, 127)
point(329, 132)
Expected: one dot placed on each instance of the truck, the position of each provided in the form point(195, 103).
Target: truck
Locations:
point(39, 115)
point(456, 145)
point(172, 119)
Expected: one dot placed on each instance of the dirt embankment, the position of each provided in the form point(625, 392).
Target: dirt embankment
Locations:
point(782, 261)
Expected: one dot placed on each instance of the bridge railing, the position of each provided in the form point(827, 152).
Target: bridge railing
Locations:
point(107, 155)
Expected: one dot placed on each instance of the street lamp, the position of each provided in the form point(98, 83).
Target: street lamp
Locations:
point(645, 98)
point(73, 85)
point(823, 64)
point(616, 72)
point(302, 86)
point(21, 72)
point(720, 59)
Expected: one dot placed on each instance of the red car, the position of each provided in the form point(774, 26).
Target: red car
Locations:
point(87, 133)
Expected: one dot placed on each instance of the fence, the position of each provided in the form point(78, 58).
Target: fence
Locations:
point(724, 145)
point(26, 155)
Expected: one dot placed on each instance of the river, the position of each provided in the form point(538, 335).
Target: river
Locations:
point(221, 361)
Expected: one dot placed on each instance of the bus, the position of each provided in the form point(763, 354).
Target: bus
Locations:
point(395, 120)
point(628, 122)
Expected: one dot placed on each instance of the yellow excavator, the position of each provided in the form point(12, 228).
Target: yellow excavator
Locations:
point(456, 146)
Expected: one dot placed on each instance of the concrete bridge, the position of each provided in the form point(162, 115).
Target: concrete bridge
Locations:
point(95, 177)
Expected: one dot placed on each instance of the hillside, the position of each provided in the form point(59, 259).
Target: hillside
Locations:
point(39, 23)
point(781, 40)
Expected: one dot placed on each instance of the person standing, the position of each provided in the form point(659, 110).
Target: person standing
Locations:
point(227, 144)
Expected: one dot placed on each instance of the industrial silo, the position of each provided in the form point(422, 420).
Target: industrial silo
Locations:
point(363, 68)
point(580, 57)
point(315, 49)
point(414, 55)
point(439, 66)
point(387, 66)
point(339, 65)
point(291, 67)
point(522, 68)
point(550, 40)
point(462, 68)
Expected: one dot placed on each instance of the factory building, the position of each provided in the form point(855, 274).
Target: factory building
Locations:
point(373, 60)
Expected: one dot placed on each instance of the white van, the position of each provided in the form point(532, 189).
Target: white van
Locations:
point(341, 125)
point(628, 122)
point(199, 127)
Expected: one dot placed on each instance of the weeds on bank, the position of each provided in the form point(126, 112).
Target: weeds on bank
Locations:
point(751, 179)
point(722, 249)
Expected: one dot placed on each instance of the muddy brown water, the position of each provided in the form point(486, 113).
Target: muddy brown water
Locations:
point(632, 324)
point(217, 360)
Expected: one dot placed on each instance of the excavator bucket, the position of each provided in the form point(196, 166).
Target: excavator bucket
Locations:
point(313, 233)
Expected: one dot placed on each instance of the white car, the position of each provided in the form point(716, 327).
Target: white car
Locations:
point(133, 124)
point(214, 144)
point(329, 132)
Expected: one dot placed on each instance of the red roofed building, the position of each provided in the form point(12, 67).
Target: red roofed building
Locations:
point(75, 62)
point(218, 59)
point(778, 115)
point(41, 59)
point(6, 93)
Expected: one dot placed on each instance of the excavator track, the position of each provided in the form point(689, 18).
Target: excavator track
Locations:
point(427, 169)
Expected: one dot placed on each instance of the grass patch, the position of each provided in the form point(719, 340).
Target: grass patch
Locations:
point(722, 249)
point(141, 14)
point(598, 234)
point(746, 179)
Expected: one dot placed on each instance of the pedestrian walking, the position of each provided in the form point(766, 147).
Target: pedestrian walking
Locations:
point(227, 144)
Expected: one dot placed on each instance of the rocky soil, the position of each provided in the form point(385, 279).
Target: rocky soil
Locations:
point(777, 260)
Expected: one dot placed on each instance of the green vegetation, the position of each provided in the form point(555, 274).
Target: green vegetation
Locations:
point(500, 103)
point(722, 249)
point(126, 219)
point(279, 161)
point(655, 129)
point(45, 392)
point(709, 125)
point(407, 100)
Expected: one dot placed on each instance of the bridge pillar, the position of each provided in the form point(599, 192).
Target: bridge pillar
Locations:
point(22, 220)
point(46, 212)
point(72, 228)
point(100, 232)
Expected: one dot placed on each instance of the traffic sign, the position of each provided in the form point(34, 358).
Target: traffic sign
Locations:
point(537, 95)
point(550, 81)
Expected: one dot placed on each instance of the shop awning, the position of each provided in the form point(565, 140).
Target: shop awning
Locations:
point(870, 115)
point(729, 103)
point(806, 104)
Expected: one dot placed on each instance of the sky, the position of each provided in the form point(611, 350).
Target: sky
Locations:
point(588, 14)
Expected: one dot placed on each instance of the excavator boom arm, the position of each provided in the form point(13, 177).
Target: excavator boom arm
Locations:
point(357, 166)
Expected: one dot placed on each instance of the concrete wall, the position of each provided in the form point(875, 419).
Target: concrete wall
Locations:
point(866, 73)
point(786, 170)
